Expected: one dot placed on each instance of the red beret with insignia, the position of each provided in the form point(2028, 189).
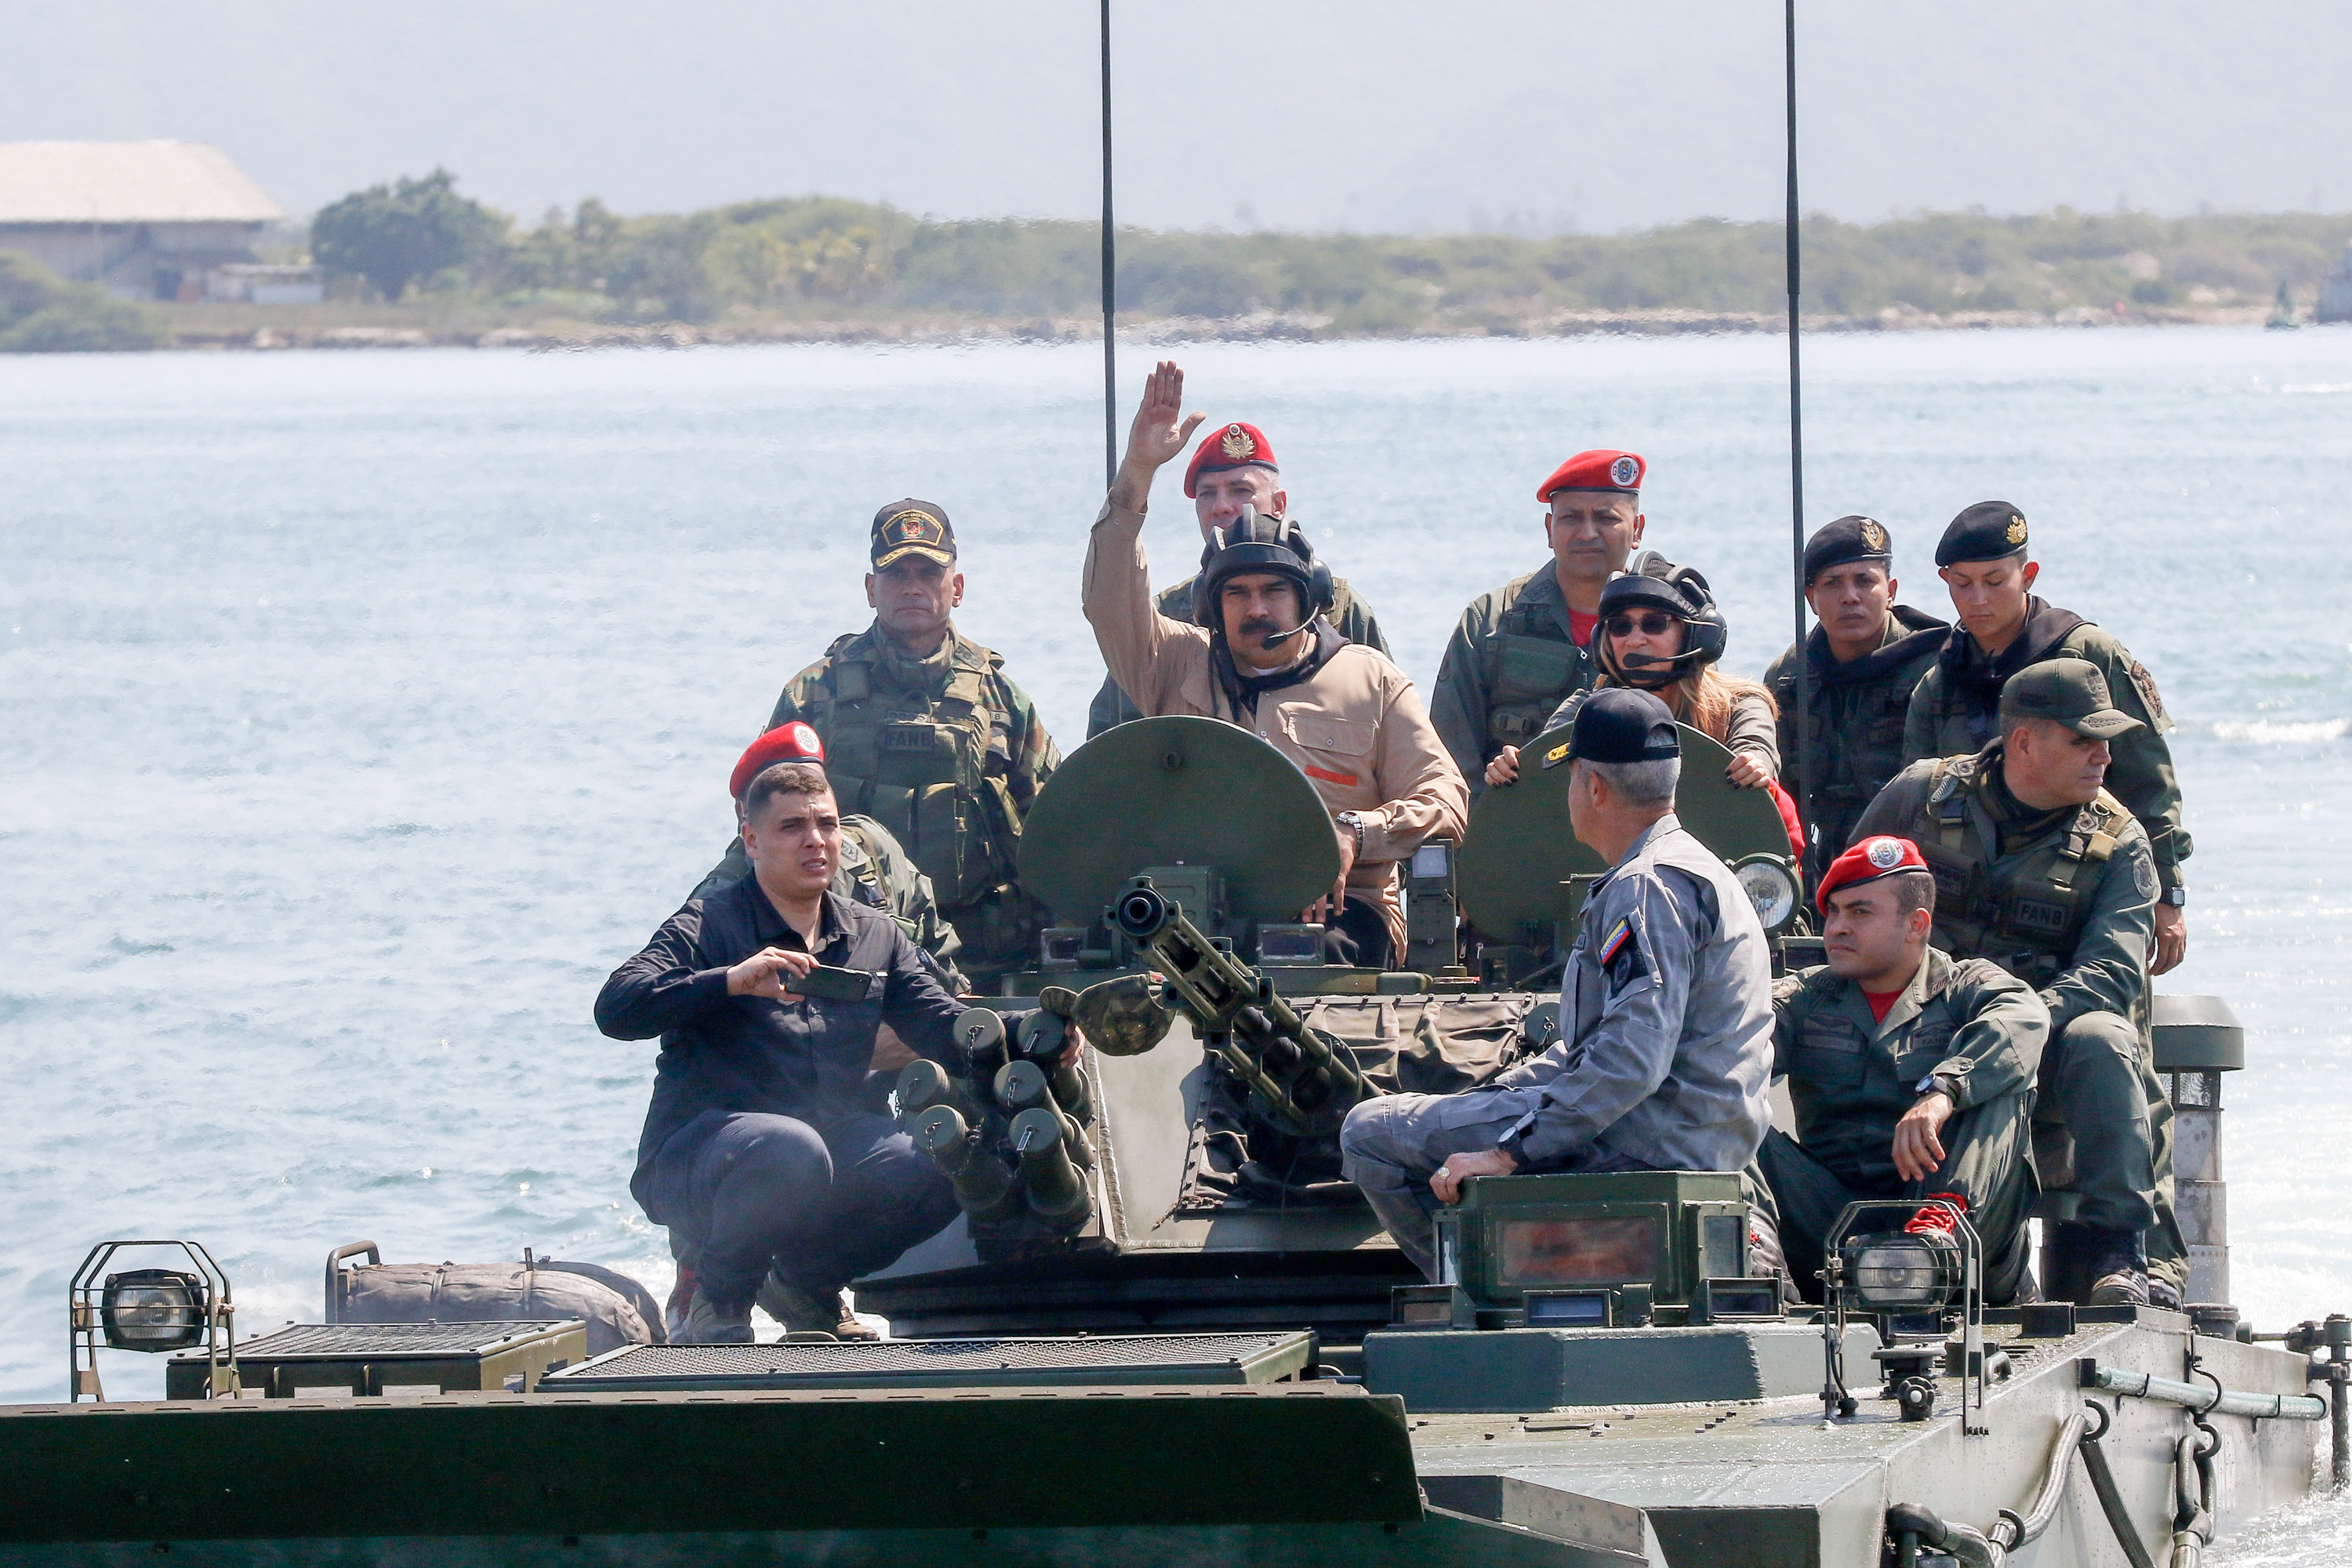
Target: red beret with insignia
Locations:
point(1597, 470)
point(1867, 861)
point(1232, 446)
point(793, 743)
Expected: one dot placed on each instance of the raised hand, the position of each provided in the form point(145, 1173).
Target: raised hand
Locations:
point(1160, 430)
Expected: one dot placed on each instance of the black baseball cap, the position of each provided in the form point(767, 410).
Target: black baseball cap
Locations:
point(912, 527)
point(1618, 724)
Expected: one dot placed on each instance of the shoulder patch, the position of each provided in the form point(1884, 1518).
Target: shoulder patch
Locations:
point(2144, 875)
point(1622, 958)
point(2144, 684)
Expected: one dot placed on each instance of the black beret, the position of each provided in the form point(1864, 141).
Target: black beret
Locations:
point(1989, 530)
point(1848, 539)
point(1618, 724)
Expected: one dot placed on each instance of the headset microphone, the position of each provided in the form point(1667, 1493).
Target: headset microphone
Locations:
point(1274, 639)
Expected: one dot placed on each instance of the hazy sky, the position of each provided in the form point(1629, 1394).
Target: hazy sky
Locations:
point(1370, 114)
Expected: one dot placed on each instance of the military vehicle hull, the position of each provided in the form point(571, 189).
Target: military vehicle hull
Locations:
point(1299, 1473)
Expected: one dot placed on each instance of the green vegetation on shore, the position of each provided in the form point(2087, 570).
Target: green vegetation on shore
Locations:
point(829, 258)
point(40, 313)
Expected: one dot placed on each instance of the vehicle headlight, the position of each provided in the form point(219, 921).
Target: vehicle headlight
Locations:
point(1772, 887)
point(1901, 1274)
point(152, 1309)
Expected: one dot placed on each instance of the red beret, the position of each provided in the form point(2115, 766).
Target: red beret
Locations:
point(1868, 862)
point(1597, 470)
point(793, 743)
point(1235, 446)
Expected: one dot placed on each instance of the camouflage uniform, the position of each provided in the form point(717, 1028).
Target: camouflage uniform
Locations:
point(2065, 902)
point(878, 872)
point(1852, 1078)
point(948, 754)
point(1955, 710)
point(1855, 714)
point(1112, 707)
point(1511, 662)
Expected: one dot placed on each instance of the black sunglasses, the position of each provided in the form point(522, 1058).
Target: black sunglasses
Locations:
point(1651, 624)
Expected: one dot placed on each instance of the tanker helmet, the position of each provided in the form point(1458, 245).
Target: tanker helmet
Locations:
point(1682, 593)
point(1253, 543)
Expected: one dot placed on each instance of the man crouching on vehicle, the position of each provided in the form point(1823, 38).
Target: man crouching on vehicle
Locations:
point(756, 1151)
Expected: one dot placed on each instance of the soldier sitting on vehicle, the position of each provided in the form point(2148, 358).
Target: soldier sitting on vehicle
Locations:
point(1522, 651)
point(928, 734)
point(758, 1149)
point(1259, 651)
point(2003, 627)
point(1859, 665)
point(1666, 1048)
point(1233, 469)
point(1911, 1074)
point(2040, 870)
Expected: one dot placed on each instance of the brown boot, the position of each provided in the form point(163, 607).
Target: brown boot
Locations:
point(811, 1312)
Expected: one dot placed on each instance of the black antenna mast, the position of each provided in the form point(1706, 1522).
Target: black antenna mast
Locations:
point(1110, 279)
point(1795, 469)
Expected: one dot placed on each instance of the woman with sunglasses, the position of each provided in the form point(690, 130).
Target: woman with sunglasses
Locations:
point(1665, 635)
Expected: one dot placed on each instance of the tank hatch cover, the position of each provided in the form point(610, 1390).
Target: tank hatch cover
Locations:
point(1092, 1361)
point(1164, 792)
point(1519, 849)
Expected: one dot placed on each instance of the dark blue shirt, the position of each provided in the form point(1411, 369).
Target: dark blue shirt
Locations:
point(805, 1059)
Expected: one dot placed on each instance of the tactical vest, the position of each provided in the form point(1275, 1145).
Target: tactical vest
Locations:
point(1529, 668)
point(2025, 915)
point(930, 768)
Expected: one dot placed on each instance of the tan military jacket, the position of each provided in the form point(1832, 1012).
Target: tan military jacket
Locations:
point(1356, 727)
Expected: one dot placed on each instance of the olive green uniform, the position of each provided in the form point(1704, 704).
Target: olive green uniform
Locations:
point(1954, 710)
point(1112, 707)
point(1512, 661)
point(948, 754)
point(1852, 1077)
point(878, 872)
point(1854, 723)
point(2065, 900)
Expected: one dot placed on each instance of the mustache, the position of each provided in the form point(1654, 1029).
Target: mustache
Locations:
point(1255, 624)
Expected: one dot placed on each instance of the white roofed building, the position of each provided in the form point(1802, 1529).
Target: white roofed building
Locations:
point(146, 219)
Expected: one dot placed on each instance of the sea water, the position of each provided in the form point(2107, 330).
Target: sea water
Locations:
point(360, 712)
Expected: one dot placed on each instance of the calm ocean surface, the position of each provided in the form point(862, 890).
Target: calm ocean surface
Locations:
point(358, 713)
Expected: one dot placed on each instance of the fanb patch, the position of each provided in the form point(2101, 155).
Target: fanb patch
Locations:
point(2032, 914)
point(2144, 684)
point(1621, 956)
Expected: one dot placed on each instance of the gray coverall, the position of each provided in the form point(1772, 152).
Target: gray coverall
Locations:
point(1664, 1062)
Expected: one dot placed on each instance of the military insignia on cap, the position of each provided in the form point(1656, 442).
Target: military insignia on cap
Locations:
point(1873, 536)
point(1624, 471)
point(805, 738)
point(913, 525)
point(2016, 529)
point(1885, 854)
point(1237, 446)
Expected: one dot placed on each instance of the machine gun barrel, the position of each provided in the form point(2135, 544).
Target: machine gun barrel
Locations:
point(1308, 1083)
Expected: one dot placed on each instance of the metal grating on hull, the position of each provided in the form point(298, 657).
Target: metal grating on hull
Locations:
point(342, 1342)
point(1108, 1359)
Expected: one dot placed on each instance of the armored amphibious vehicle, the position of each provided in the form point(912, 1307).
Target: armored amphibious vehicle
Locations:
point(1164, 1329)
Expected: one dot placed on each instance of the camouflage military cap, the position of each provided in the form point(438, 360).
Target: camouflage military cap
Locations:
point(2068, 691)
point(1121, 1017)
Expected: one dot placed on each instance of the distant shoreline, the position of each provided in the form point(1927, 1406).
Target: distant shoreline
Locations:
point(271, 329)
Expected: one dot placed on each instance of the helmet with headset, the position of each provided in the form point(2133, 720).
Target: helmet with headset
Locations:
point(1682, 593)
point(1253, 543)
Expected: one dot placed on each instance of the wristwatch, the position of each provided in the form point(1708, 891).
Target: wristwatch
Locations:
point(2177, 895)
point(1937, 1083)
point(1354, 822)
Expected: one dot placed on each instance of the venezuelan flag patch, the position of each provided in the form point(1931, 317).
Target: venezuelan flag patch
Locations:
point(1621, 956)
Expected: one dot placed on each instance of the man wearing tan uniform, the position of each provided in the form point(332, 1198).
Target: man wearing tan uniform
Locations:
point(1260, 652)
